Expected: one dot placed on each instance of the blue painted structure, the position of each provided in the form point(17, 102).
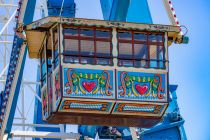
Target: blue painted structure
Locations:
point(115, 9)
point(54, 8)
point(126, 10)
point(172, 125)
point(17, 42)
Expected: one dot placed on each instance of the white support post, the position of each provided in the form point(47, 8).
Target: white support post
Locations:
point(37, 125)
point(133, 133)
point(6, 42)
point(5, 136)
point(7, 5)
point(23, 108)
point(32, 134)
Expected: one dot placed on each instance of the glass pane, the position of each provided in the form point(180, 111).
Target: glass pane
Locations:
point(87, 60)
point(71, 46)
point(161, 57)
point(103, 34)
point(153, 56)
point(125, 50)
point(71, 32)
point(56, 53)
point(153, 52)
point(160, 52)
point(43, 73)
point(152, 38)
point(140, 51)
point(140, 63)
point(102, 61)
point(126, 63)
point(87, 47)
point(125, 35)
point(159, 38)
point(49, 65)
point(86, 33)
point(44, 80)
point(43, 70)
point(56, 62)
point(55, 47)
point(71, 59)
point(103, 49)
point(140, 37)
point(153, 64)
point(161, 64)
point(43, 57)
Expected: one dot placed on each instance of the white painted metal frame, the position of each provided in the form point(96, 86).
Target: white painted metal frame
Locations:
point(171, 13)
point(7, 14)
point(22, 120)
point(29, 134)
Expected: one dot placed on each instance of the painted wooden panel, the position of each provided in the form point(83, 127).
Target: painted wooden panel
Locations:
point(45, 107)
point(50, 93)
point(57, 86)
point(68, 105)
point(139, 109)
point(140, 86)
point(88, 83)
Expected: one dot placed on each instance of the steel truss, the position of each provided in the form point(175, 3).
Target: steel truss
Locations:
point(24, 110)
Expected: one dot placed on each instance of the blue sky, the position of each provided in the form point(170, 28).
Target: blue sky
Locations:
point(189, 64)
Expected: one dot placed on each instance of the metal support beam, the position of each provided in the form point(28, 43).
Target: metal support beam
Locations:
point(115, 9)
point(126, 10)
point(35, 94)
point(139, 12)
point(33, 134)
point(10, 19)
point(7, 5)
point(4, 70)
point(6, 42)
point(37, 125)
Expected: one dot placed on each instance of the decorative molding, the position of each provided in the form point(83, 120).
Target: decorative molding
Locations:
point(139, 109)
point(68, 105)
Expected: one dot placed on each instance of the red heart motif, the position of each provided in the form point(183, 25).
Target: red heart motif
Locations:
point(141, 89)
point(89, 86)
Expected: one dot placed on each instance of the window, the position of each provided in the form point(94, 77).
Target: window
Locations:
point(140, 49)
point(49, 54)
point(88, 45)
point(43, 68)
point(55, 48)
point(140, 55)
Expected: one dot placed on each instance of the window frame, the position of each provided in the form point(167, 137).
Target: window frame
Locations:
point(93, 38)
point(55, 59)
point(43, 77)
point(148, 44)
